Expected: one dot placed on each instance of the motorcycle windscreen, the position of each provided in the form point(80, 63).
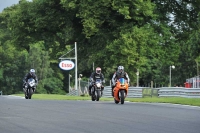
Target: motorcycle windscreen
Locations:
point(30, 80)
point(122, 81)
point(98, 80)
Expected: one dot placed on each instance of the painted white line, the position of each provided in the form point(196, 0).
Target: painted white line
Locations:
point(17, 96)
point(168, 104)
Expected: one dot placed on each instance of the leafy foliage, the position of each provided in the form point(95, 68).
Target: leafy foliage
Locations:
point(140, 34)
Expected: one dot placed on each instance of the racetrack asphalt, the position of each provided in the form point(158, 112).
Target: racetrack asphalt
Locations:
point(19, 115)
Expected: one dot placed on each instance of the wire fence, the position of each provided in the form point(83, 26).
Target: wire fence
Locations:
point(83, 87)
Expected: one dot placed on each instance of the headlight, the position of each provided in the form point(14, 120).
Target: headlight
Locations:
point(98, 85)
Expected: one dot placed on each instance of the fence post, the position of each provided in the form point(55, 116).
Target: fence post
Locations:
point(142, 92)
point(151, 87)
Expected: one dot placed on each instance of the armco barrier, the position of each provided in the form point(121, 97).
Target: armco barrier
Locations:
point(179, 92)
point(139, 92)
point(133, 92)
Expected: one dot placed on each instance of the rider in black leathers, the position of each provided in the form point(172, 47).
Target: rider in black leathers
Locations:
point(94, 76)
point(119, 74)
point(29, 75)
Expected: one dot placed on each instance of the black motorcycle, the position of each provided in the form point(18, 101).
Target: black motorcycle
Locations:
point(30, 88)
point(96, 90)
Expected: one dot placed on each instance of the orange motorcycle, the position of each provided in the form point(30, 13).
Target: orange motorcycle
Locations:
point(120, 91)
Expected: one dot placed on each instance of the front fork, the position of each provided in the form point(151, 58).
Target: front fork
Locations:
point(125, 93)
point(93, 90)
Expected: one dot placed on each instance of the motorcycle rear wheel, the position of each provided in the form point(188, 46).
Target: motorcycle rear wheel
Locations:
point(93, 97)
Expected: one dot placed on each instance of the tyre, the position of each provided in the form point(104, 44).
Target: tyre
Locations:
point(98, 95)
point(30, 93)
point(93, 97)
point(26, 94)
point(122, 96)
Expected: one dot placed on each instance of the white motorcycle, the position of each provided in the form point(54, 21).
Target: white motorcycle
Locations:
point(96, 90)
point(30, 88)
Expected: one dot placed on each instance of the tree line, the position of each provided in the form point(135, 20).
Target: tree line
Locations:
point(149, 35)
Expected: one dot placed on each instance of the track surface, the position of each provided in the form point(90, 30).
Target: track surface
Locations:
point(19, 115)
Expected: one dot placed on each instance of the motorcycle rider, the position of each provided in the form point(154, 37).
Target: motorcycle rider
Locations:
point(119, 74)
point(29, 75)
point(94, 76)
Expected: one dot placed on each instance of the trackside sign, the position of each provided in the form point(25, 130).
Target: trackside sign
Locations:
point(66, 65)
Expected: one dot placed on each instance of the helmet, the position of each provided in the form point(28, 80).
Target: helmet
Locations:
point(98, 70)
point(32, 71)
point(120, 69)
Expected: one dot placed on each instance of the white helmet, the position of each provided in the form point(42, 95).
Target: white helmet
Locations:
point(98, 70)
point(120, 69)
point(32, 71)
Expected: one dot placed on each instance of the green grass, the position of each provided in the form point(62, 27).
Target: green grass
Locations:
point(174, 100)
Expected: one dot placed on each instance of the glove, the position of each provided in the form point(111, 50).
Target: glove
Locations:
point(91, 79)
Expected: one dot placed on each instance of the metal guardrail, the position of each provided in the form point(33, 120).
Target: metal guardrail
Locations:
point(139, 92)
point(133, 92)
point(179, 92)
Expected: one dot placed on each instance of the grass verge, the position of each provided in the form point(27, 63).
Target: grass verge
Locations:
point(174, 100)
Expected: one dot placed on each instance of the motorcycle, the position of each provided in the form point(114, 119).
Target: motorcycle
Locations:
point(120, 91)
point(30, 88)
point(96, 91)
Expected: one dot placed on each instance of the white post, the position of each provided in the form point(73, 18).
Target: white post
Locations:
point(170, 75)
point(79, 79)
point(137, 73)
point(69, 82)
point(76, 86)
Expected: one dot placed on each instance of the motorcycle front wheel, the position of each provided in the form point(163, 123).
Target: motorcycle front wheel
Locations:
point(26, 94)
point(30, 93)
point(93, 97)
point(97, 95)
point(122, 97)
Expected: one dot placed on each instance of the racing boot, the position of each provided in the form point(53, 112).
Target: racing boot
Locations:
point(112, 91)
point(102, 88)
point(90, 91)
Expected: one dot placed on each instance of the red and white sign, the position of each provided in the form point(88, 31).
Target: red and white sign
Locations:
point(66, 65)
